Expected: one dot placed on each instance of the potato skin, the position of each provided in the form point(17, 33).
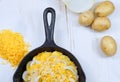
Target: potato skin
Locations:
point(108, 45)
point(86, 18)
point(104, 8)
point(101, 24)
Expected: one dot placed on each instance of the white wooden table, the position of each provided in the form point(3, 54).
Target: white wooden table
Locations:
point(26, 17)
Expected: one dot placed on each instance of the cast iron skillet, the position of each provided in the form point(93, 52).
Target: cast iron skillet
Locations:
point(49, 45)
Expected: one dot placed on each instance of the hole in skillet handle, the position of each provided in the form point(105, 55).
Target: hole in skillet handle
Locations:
point(49, 45)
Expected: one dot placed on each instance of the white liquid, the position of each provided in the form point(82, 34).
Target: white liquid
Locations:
point(79, 5)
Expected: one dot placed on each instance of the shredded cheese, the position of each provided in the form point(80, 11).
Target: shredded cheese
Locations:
point(12, 47)
point(50, 67)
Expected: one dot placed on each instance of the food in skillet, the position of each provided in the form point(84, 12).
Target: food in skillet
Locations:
point(50, 67)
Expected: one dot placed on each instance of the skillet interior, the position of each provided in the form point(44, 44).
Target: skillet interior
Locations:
point(22, 67)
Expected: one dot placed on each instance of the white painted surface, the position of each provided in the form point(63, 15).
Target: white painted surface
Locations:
point(25, 16)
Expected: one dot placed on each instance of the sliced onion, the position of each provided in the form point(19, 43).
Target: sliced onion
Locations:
point(34, 62)
point(28, 64)
point(71, 80)
point(25, 73)
point(37, 79)
point(72, 70)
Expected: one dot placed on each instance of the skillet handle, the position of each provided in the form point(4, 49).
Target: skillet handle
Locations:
point(49, 29)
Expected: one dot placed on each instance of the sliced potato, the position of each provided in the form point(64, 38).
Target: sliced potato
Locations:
point(86, 18)
point(104, 8)
point(108, 45)
point(101, 24)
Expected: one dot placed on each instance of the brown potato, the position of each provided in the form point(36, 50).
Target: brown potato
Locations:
point(108, 45)
point(104, 8)
point(86, 18)
point(101, 24)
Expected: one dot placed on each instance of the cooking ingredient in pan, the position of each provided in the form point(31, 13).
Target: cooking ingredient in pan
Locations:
point(108, 45)
point(50, 67)
point(12, 47)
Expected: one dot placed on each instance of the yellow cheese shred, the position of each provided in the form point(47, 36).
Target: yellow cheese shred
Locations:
point(12, 47)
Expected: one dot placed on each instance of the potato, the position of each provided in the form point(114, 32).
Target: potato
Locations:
point(104, 8)
point(86, 18)
point(108, 45)
point(101, 24)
